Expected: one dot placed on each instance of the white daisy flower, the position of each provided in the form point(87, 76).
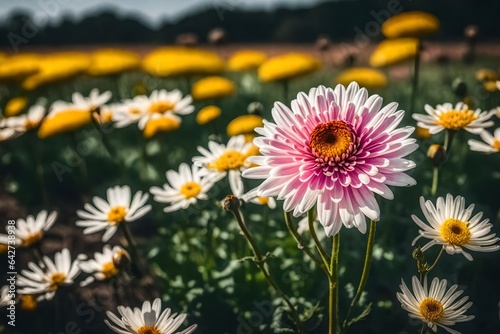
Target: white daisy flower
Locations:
point(79, 102)
point(47, 277)
point(31, 230)
point(452, 227)
point(6, 132)
point(150, 319)
point(491, 144)
point(5, 297)
point(221, 160)
point(141, 108)
point(185, 188)
point(436, 306)
point(28, 121)
point(445, 116)
point(109, 215)
point(102, 265)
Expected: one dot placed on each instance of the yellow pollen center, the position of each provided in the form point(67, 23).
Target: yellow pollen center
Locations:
point(331, 139)
point(28, 303)
point(455, 232)
point(190, 189)
point(29, 125)
point(148, 330)
point(263, 200)
point(55, 280)
point(456, 120)
point(161, 107)
point(117, 215)
point(31, 239)
point(134, 111)
point(109, 270)
point(229, 160)
point(496, 144)
point(431, 309)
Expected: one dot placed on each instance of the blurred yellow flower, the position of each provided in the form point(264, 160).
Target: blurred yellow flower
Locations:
point(410, 24)
point(64, 121)
point(15, 106)
point(393, 51)
point(246, 60)
point(243, 124)
point(287, 66)
point(56, 67)
point(163, 123)
point(212, 88)
point(172, 61)
point(490, 86)
point(19, 66)
point(423, 133)
point(112, 61)
point(484, 74)
point(3, 56)
point(249, 137)
point(364, 76)
point(208, 114)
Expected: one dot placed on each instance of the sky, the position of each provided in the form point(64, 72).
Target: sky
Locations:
point(151, 11)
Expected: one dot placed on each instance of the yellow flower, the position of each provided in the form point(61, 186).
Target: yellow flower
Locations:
point(64, 121)
point(490, 86)
point(208, 114)
point(484, 74)
point(157, 124)
point(212, 88)
point(410, 24)
point(172, 61)
point(423, 133)
point(393, 51)
point(3, 56)
point(243, 124)
point(287, 66)
point(365, 77)
point(246, 60)
point(112, 61)
point(19, 66)
point(56, 67)
point(15, 106)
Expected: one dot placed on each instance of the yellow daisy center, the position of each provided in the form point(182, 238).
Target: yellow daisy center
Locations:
point(109, 270)
point(148, 330)
point(31, 239)
point(161, 107)
point(431, 309)
point(190, 189)
point(229, 160)
point(29, 125)
point(496, 144)
point(263, 200)
point(28, 303)
point(117, 214)
point(332, 139)
point(55, 280)
point(455, 232)
point(456, 119)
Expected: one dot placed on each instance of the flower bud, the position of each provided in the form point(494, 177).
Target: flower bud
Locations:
point(255, 108)
point(121, 259)
point(437, 153)
point(459, 87)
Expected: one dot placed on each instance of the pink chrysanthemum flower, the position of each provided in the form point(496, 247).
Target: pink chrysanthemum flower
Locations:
point(334, 148)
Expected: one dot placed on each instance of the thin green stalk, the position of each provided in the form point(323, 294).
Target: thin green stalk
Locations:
point(40, 171)
point(82, 165)
point(107, 145)
point(416, 71)
point(300, 243)
point(321, 250)
point(448, 140)
point(435, 180)
point(364, 275)
point(260, 260)
point(333, 286)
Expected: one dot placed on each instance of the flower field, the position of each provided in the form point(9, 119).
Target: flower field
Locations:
point(235, 190)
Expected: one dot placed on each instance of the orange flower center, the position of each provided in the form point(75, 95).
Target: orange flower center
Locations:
point(229, 160)
point(31, 239)
point(456, 119)
point(28, 303)
point(496, 144)
point(55, 280)
point(117, 214)
point(431, 309)
point(455, 232)
point(161, 107)
point(190, 189)
point(109, 270)
point(331, 140)
point(148, 330)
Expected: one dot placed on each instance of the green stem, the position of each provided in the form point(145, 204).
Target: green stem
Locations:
point(300, 243)
point(435, 180)
point(448, 140)
point(321, 250)
point(82, 165)
point(40, 173)
point(105, 141)
point(436, 260)
point(333, 286)
point(415, 78)
point(260, 261)
point(364, 275)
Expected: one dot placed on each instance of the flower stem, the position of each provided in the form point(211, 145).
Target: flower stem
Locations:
point(435, 180)
point(321, 250)
point(448, 140)
point(300, 243)
point(82, 165)
point(364, 275)
point(333, 286)
point(436, 260)
point(416, 71)
point(260, 260)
